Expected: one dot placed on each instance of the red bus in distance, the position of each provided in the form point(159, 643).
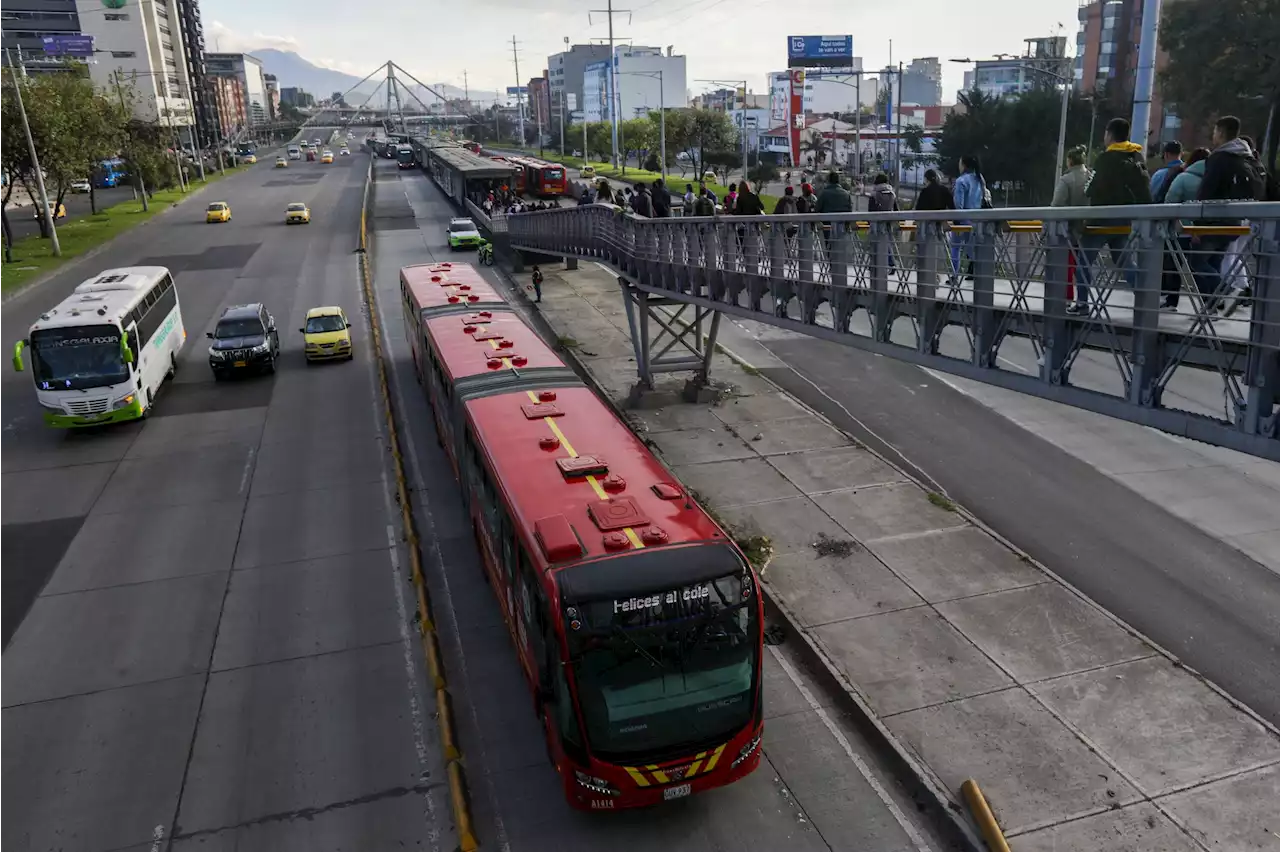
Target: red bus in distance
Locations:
point(638, 624)
point(543, 179)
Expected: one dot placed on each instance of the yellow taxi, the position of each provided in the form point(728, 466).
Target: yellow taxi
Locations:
point(587, 172)
point(327, 335)
point(282, 163)
point(249, 159)
point(218, 211)
point(297, 213)
point(326, 157)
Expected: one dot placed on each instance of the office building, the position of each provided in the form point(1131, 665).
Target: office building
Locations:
point(646, 80)
point(228, 96)
point(922, 82)
point(1107, 59)
point(1044, 63)
point(565, 73)
point(273, 95)
point(296, 98)
point(248, 70)
point(207, 123)
point(22, 31)
point(539, 103)
point(142, 51)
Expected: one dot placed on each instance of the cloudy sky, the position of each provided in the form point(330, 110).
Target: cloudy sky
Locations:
point(726, 39)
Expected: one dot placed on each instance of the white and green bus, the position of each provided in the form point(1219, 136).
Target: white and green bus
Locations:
point(101, 355)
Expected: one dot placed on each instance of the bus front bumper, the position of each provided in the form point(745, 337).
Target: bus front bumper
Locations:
point(132, 411)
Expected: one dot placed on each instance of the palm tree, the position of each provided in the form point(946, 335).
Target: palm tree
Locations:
point(817, 146)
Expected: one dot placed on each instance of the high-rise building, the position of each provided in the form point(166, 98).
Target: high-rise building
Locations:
point(564, 76)
point(143, 51)
point(540, 102)
point(24, 28)
point(228, 95)
point(646, 80)
point(248, 70)
point(273, 95)
point(922, 82)
point(208, 126)
point(296, 98)
point(1107, 59)
point(1044, 63)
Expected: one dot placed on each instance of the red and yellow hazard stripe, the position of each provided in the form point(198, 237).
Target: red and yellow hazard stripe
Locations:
point(663, 776)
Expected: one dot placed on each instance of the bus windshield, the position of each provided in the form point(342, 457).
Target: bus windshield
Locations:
point(666, 669)
point(78, 357)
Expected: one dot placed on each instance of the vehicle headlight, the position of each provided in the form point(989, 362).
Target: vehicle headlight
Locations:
point(596, 785)
point(344, 342)
point(747, 750)
point(53, 407)
point(216, 354)
point(123, 402)
point(261, 347)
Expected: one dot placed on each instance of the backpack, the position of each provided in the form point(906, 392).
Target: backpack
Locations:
point(1249, 182)
point(1171, 173)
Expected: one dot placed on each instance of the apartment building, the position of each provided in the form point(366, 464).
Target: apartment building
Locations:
point(22, 31)
point(142, 50)
point(1107, 59)
point(253, 85)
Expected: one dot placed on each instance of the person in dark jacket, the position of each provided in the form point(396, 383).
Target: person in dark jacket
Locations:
point(787, 205)
point(1119, 177)
point(807, 202)
point(883, 198)
point(706, 204)
point(748, 204)
point(661, 200)
point(834, 198)
point(934, 196)
point(642, 202)
point(1232, 173)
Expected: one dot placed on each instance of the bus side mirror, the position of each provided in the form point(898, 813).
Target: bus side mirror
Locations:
point(125, 351)
point(17, 355)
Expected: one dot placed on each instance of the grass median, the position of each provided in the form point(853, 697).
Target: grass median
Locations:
point(33, 256)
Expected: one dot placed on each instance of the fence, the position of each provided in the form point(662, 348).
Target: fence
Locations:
point(1139, 301)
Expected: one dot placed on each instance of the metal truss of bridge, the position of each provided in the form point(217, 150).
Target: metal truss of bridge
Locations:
point(993, 300)
point(387, 104)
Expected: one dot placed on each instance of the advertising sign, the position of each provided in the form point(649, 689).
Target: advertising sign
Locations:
point(779, 90)
point(820, 51)
point(68, 45)
point(595, 91)
point(517, 90)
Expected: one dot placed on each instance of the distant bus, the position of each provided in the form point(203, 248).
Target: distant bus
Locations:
point(245, 148)
point(404, 157)
point(101, 355)
point(542, 179)
point(110, 173)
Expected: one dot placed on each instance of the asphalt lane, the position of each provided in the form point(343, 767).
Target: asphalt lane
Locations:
point(218, 652)
point(809, 793)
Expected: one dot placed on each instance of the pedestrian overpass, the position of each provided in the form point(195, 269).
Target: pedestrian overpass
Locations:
point(885, 283)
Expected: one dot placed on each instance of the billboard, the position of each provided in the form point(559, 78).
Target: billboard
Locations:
point(68, 45)
point(595, 91)
point(517, 90)
point(779, 91)
point(820, 51)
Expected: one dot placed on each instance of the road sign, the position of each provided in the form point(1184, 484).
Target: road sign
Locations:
point(68, 45)
point(517, 90)
point(820, 51)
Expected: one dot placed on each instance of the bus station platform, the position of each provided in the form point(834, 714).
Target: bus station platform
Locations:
point(970, 659)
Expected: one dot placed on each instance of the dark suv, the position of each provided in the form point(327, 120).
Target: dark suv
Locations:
point(244, 339)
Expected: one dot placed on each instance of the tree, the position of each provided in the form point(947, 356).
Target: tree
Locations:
point(696, 132)
point(816, 146)
point(1224, 58)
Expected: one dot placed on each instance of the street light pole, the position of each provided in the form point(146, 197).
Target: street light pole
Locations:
point(46, 210)
point(142, 186)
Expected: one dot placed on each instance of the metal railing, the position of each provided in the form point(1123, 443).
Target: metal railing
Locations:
point(1162, 332)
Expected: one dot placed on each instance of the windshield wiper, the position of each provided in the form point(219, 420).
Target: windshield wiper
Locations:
point(653, 661)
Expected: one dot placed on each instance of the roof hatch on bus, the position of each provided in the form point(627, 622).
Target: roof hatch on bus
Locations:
point(557, 538)
point(582, 466)
point(617, 513)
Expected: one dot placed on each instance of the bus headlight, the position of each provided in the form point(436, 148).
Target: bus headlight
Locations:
point(747, 750)
point(595, 785)
point(123, 402)
point(53, 407)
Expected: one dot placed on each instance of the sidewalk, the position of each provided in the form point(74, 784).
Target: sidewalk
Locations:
point(978, 662)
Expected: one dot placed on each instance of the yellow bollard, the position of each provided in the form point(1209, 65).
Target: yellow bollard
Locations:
point(983, 817)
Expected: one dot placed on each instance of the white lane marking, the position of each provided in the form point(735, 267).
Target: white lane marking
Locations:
point(412, 685)
point(429, 534)
point(913, 834)
point(248, 470)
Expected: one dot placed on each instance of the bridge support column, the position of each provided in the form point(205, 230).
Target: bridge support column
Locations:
point(570, 263)
point(687, 329)
point(1262, 372)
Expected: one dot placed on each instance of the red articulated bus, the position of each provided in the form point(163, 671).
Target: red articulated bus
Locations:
point(542, 179)
point(637, 622)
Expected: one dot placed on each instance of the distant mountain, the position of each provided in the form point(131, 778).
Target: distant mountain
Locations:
point(290, 69)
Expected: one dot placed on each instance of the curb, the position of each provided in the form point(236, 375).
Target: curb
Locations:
point(96, 250)
point(458, 793)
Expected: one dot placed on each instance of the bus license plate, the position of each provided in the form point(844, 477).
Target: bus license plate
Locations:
point(677, 792)
point(241, 364)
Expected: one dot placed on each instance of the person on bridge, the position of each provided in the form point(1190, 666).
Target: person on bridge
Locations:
point(969, 193)
point(1119, 177)
point(807, 202)
point(1183, 188)
point(642, 202)
point(834, 198)
point(690, 200)
point(1163, 177)
point(661, 200)
point(934, 196)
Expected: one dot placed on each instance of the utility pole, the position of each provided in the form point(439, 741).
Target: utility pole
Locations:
point(1141, 123)
point(142, 187)
point(614, 106)
point(46, 210)
point(515, 57)
point(466, 90)
point(562, 100)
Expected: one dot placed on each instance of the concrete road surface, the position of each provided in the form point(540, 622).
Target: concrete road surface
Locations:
point(821, 786)
point(206, 638)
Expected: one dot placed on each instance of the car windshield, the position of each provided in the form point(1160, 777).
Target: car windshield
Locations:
point(78, 357)
point(215, 208)
point(664, 670)
point(329, 322)
point(462, 225)
point(297, 208)
point(229, 328)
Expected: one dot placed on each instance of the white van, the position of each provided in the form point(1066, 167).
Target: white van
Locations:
point(295, 153)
